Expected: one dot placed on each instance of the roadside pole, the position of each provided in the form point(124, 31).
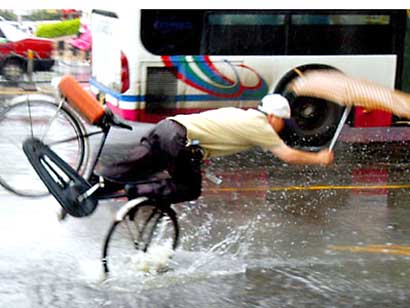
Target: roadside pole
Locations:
point(30, 56)
point(30, 65)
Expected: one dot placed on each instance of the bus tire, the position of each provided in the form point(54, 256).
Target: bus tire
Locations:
point(314, 120)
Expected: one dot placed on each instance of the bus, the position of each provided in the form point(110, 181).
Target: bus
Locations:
point(150, 64)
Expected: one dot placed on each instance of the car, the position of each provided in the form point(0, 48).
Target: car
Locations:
point(14, 52)
point(83, 40)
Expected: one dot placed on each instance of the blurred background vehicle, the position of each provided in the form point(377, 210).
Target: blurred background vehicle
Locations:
point(14, 51)
point(83, 41)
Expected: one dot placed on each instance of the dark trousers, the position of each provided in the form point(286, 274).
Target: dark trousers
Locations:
point(164, 147)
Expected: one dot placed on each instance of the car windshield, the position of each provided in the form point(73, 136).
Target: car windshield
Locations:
point(12, 33)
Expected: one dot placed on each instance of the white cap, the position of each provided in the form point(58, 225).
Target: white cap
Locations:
point(275, 104)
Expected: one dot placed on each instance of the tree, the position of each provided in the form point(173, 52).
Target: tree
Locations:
point(44, 15)
point(8, 15)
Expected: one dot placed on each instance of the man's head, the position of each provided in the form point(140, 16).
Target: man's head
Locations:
point(276, 108)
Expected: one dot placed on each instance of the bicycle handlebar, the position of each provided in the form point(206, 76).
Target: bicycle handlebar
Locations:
point(111, 120)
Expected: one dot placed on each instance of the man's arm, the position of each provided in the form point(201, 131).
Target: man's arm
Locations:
point(294, 156)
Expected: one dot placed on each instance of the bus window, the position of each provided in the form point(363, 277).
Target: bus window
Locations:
point(244, 33)
point(316, 34)
point(171, 32)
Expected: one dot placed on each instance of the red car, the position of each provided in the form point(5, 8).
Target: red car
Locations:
point(14, 47)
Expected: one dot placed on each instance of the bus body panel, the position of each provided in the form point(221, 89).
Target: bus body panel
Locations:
point(165, 84)
point(267, 70)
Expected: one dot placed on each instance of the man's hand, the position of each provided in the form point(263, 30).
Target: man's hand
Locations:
point(325, 157)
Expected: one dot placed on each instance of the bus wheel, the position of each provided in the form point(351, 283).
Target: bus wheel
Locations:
point(314, 120)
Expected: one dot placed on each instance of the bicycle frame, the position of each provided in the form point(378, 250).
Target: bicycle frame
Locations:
point(78, 196)
point(54, 172)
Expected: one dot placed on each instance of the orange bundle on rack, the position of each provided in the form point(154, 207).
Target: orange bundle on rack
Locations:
point(91, 110)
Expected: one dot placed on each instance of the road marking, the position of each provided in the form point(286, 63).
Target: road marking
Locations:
point(313, 187)
point(385, 249)
point(25, 92)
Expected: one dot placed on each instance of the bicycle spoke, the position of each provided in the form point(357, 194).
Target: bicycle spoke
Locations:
point(130, 233)
point(30, 118)
point(146, 223)
point(52, 119)
point(147, 235)
point(53, 123)
point(157, 228)
point(75, 138)
point(14, 142)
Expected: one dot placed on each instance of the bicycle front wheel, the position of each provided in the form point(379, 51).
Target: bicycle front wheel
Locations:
point(54, 124)
point(142, 241)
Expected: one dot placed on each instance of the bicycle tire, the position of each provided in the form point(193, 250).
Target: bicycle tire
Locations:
point(47, 121)
point(152, 225)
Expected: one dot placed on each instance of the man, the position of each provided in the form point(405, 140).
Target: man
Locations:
point(220, 132)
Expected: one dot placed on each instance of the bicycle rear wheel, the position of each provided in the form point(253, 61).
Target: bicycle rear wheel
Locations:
point(54, 124)
point(146, 228)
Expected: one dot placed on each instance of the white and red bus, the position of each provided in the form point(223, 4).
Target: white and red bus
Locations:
point(149, 64)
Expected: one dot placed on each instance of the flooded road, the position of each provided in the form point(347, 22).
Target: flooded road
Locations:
point(271, 235)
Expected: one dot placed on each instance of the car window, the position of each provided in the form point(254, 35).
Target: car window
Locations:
point(12, 33)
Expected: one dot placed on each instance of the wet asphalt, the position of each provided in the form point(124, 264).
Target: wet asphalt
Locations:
point(270, 235)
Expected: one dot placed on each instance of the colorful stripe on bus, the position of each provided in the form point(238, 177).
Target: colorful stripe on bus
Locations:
point(200, 73)
point(208, 79)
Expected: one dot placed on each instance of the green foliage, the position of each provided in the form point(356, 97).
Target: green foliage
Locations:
point(44, 15)
point(34, 15)
point(63, 28)
point(8, 15)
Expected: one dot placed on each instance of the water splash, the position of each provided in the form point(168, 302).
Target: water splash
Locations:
point(155, 260)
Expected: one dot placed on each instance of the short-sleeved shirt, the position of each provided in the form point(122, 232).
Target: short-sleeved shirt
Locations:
point(229, 130)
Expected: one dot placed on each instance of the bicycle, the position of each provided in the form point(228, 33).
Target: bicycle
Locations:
point(141, 223)
point(55, 123)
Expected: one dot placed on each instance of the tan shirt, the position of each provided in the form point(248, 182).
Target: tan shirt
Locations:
point(229, 130)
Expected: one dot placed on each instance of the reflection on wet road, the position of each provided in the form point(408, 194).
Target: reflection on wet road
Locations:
point(270, 235)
